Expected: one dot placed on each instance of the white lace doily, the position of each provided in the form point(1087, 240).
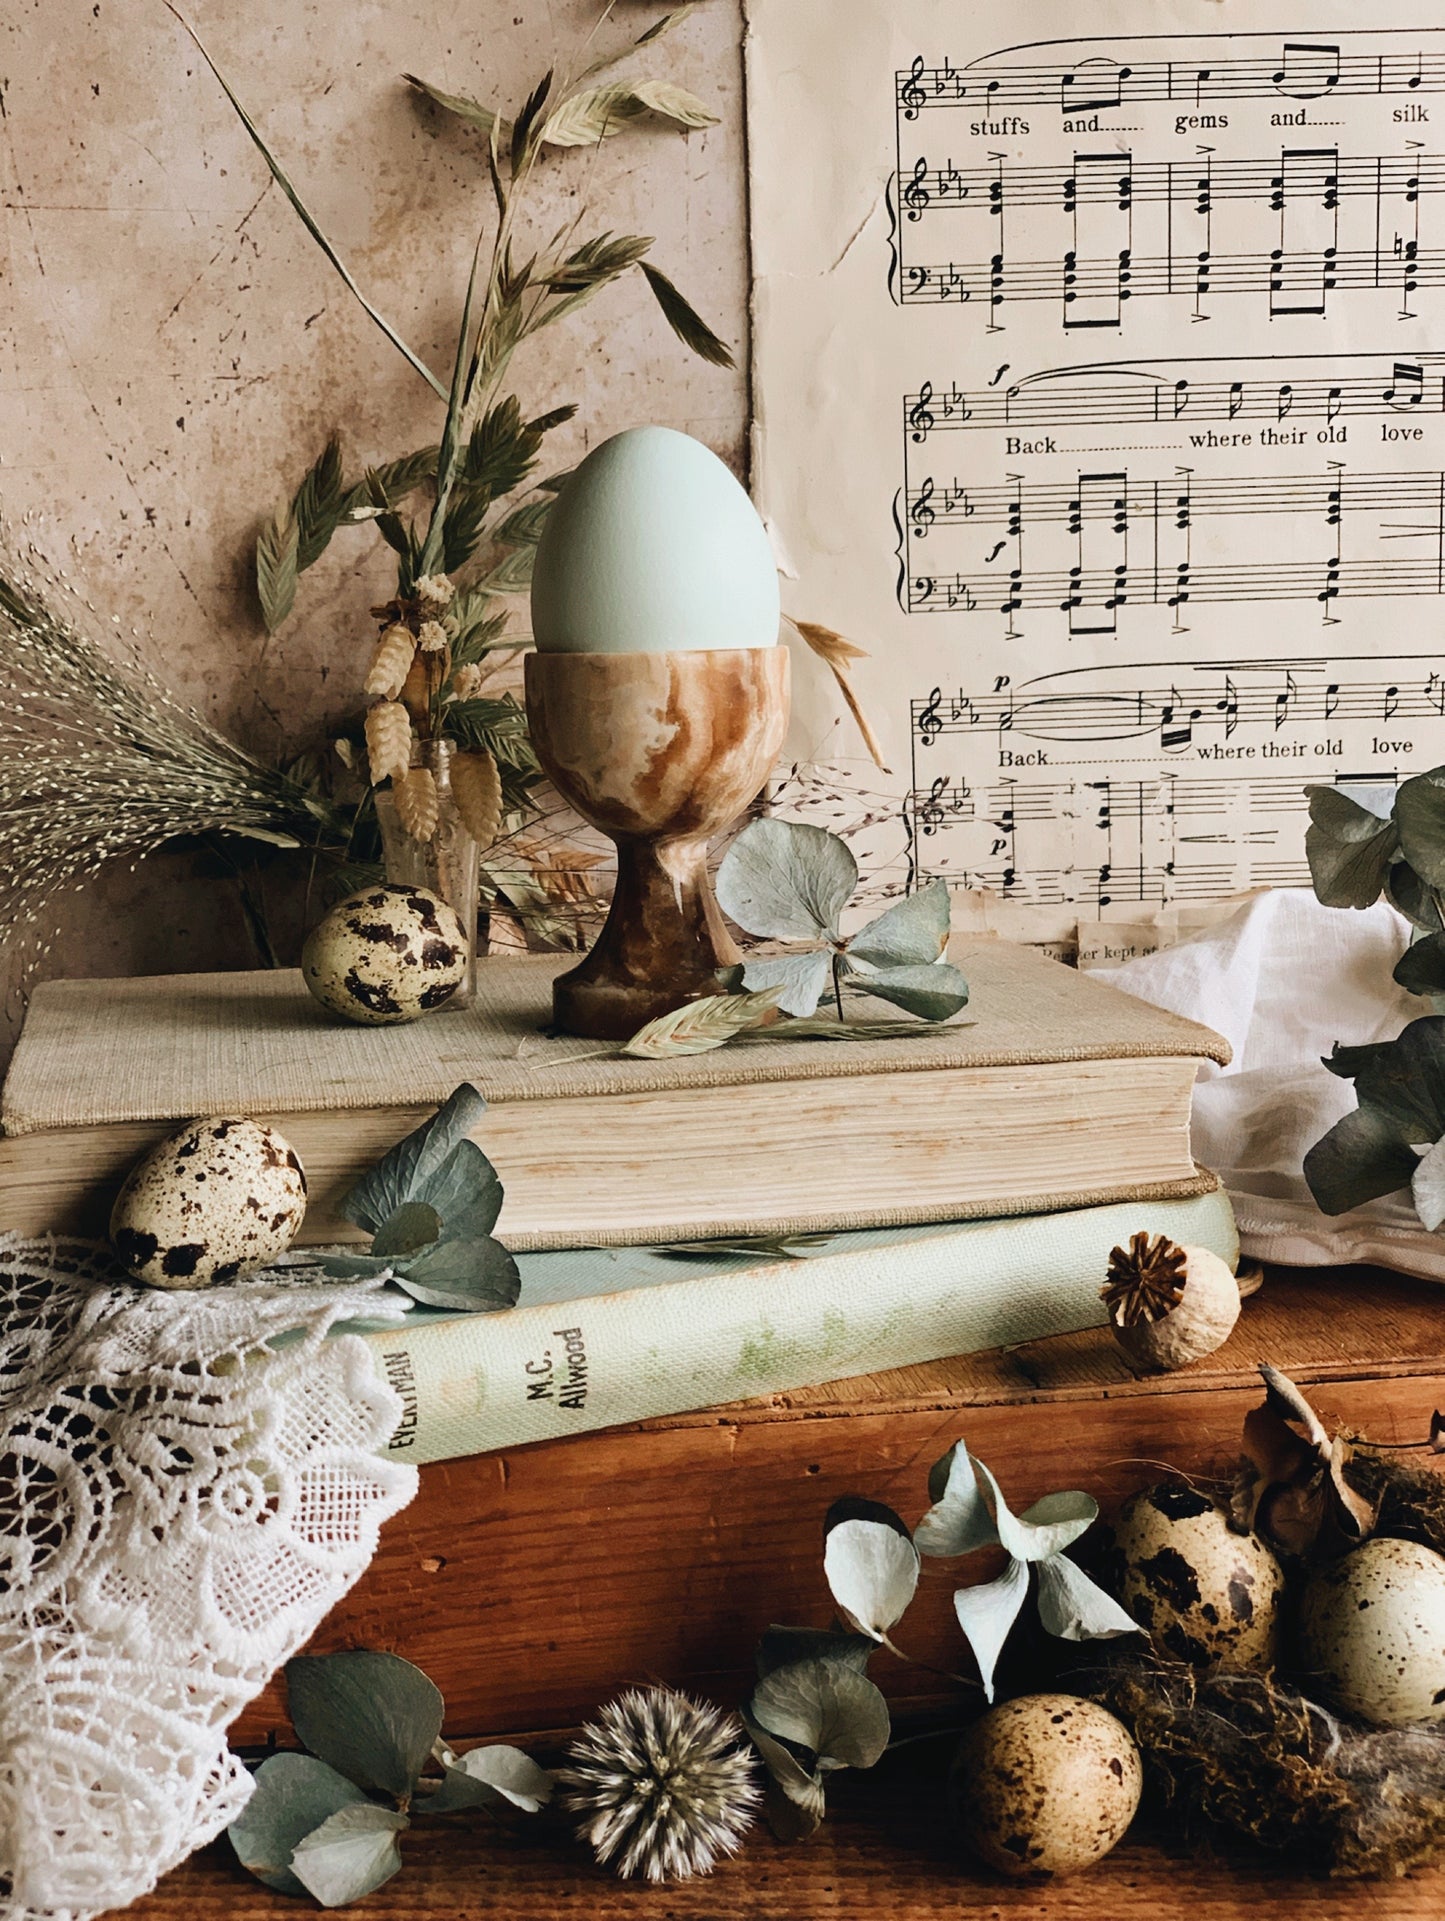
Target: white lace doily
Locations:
point(180, 1506)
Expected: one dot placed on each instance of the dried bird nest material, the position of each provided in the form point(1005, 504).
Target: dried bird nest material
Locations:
point(1247, 1756)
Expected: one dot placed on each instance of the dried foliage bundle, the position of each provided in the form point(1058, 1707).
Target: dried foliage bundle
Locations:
point(99, 763)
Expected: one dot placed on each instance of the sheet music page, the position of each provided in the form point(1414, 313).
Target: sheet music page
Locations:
point(1096, 397)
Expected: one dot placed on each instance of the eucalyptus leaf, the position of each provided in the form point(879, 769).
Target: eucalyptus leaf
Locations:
point(1349, 848)
point(1420, 818)
point(1400, 1087)
point(782, 1646)
point(872, 1572)
point(934, 993)
point(798, 1808)
point(404, 1174)
point(1359, 1160)
point(787, 880)
point(797, 982)
point(414, 1225)
point(826, 1708)
point(1427, 1187)
point(373, 1717)
point(1409, 895)
point(293, 1795)
point(914, 931)
point(1048, 1527)
point(1075, 1608)
point(960, 1519)
point(352, 1853)
point(1421, 968)
point(490, 1777)
point(475, 1276)
point(987, 1612)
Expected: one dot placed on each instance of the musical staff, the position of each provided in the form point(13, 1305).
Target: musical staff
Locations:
point(1093, 291)
point(1183, 292)
point(1104, 542)
point(1187, 393)
point(1087, 707)
point(1082, 82)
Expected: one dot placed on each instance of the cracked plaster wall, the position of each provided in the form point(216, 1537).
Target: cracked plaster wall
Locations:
point(174, 349)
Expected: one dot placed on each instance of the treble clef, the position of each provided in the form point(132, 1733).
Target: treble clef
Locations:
point(930, 814)
point(929, 724)
point(920, 414)
point(911, 96)
point(915, 194)
point(921, 512)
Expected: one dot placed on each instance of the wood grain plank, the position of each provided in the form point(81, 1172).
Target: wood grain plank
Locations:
point(532, 1583)
point(884, 1851)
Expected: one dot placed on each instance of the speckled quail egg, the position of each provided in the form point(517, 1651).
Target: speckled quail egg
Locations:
point(1372, 1633)
point(220, 1196)
point(386, 954)
point(1205, 1593)
point(1045, 1784)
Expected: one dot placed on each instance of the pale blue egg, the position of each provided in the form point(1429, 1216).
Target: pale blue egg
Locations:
point(653, 547)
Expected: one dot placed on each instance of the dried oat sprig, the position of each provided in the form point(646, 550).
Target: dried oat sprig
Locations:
point(392, 661)
point(417, 805)
point(388, 740)
point(477, 790)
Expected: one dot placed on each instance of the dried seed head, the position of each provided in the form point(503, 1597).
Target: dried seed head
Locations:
point(417, 806)
point(1169, 1305)
point(467, 681)
point(1144, 1282)
point(431, 637)
point(391, 662)
point(663, 1784)
point(388, 741)
point(477, 790)
point(433, 592)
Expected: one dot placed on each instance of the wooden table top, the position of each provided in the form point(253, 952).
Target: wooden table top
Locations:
point(884, 1854)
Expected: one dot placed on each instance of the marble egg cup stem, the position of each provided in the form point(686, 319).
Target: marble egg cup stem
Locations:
point(661, 752)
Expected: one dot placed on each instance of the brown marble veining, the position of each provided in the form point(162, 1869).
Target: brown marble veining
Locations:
point(661, 752)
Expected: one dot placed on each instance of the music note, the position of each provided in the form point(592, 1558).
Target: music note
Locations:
point(1307, 72)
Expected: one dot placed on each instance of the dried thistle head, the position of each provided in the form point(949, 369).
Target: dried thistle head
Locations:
point(1145, 1281)
point(663, 1785)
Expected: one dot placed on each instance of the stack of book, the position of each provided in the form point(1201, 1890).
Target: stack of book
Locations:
point(692, 1232)
point(753, 1220)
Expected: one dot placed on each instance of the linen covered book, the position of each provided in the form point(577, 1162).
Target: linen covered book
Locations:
point(1052, 1092)
point(605, 1335)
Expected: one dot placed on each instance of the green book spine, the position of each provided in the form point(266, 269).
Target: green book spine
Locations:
point(602, 1336)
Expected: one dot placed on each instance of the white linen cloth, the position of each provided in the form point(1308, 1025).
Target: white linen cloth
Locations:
point(181, 1505)
point(1283, 980)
